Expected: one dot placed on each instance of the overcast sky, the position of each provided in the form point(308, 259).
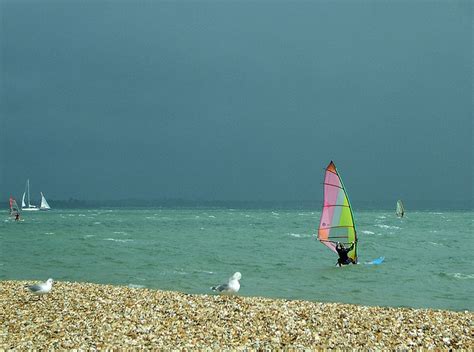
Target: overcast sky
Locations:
point(236, 100)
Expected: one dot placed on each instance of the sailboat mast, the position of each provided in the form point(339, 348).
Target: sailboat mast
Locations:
point(28, 192)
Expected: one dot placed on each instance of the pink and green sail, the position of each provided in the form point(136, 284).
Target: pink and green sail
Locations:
point(337, 221)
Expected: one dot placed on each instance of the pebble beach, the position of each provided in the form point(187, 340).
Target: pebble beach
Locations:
point(92, 316)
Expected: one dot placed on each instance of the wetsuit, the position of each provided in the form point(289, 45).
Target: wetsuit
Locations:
point(343, 257)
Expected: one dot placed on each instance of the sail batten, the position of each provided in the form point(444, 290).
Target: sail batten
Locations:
point(328, 184)
point(337, 221)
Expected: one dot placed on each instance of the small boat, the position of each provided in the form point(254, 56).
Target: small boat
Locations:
point(26, 196)
point(44, 204)
point(337, 221)
point(400, 209)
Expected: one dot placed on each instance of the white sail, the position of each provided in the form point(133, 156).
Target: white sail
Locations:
point(400, 209)
point(23, 205)
point(44, 204)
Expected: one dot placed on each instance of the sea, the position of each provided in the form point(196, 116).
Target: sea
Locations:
point(428, 254)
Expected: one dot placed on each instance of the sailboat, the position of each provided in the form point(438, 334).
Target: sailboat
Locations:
point(27, 206)
point(44, 204)
point(337, 221)
point(400, 209)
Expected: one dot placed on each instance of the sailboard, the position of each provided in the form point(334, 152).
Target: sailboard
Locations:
point(337, 221)
point(400, 211)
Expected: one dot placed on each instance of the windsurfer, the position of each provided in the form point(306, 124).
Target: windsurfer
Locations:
point(343, 257)
point(17, 217)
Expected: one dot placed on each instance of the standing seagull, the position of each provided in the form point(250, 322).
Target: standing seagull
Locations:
point(231, 287)
point(41, 288)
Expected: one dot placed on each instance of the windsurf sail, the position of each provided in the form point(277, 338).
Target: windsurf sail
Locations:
point(14, 208)
point(400, 209)
point(337, 221)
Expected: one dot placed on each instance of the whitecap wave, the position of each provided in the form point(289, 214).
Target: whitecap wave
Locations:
point(136, 286)
point(297, 235)
point(365, 232)
point(462, 276)
point(204, 272)
point(382, 226)
point(118, 240)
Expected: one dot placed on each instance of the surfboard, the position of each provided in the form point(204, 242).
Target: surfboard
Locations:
point(376, 261)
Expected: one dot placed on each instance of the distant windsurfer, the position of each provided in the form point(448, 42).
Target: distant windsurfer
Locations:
point(343, 257)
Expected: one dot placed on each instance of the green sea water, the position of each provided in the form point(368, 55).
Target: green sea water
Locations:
point(428, 255)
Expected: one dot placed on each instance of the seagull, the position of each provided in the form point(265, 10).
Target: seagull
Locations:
point(41, 288)
point(231, 287)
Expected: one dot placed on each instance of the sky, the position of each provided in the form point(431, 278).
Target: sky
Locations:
point(236, 100)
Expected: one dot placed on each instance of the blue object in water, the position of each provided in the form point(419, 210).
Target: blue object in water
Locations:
point(376, 261)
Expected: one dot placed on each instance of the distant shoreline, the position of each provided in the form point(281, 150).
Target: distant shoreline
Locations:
point(83, 315)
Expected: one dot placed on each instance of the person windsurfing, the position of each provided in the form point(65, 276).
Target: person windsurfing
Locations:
point(342, 252)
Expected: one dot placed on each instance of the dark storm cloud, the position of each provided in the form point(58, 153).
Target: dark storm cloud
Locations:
point(236, 100)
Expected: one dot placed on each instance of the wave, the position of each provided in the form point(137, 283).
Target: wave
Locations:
point(365, 232)
point(462, 276)
point(204, 272)
point(136, 286)
point(388, 227)
point(117, 240)
point(298, 235)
